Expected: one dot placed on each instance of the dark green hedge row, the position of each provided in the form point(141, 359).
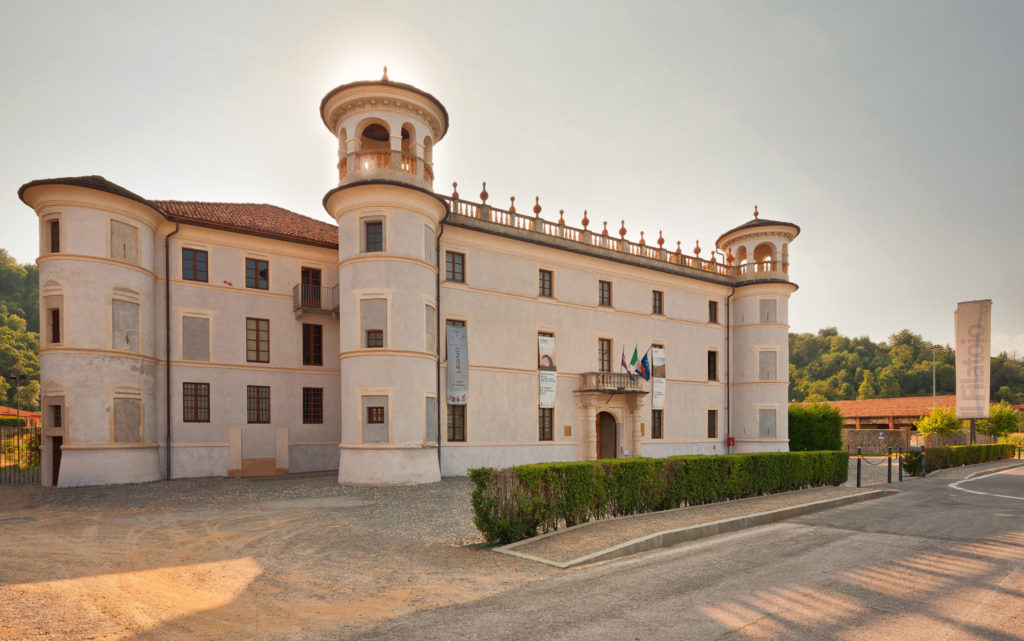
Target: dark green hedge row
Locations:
point(515, 503)
point(938, 458)
point(815, 427)
point(12, 421)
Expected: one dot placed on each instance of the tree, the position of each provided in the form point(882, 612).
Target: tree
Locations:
point(942, 421)
point(888, 384)
point(867, 386)
point(1002, 420)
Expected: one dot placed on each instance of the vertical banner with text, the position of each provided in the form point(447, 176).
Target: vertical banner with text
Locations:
point(973, 358)
point(458, 365)
point(657, 378)
point(548, 371)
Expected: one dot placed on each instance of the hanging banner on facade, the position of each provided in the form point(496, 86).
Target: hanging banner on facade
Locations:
point(657, 378)
point(458, 365)
point(973, 358)
point(548, 373)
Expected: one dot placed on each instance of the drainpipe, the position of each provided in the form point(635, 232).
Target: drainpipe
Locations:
point(728, 369)
point(437, 327)
point(167, 334)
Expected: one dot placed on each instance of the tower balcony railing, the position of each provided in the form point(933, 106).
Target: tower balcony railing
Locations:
point(386, 159)
point(610, 382)
point(314, 299)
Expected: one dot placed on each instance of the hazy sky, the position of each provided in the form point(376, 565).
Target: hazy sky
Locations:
point(891, 132)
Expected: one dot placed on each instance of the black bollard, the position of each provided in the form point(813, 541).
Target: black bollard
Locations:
point(924, 469)
point(899, 460)
point(858, 467)
point(890, 466)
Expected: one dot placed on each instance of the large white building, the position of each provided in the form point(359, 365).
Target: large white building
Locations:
point(257, 341)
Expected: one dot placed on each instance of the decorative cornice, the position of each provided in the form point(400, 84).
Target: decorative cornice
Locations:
point(363, 103)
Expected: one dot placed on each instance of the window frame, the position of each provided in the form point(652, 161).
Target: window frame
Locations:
point(657, 424)
point(713, 311)
point(199, 410)
point(712, 422)
point(253, 269)
point(56, 334)
point(374, 339)
point(604, 293)
point(657, 302)
point(192, 273)
point(455, 420)
point(545, 283)
point(604, 356)
point(312, 344)
point(454, 267)
point(545, 424)
point(375, 415)
point(373, 235)
point(260, 340)
point(52, 225)
point(713, 373)
point(257, 399)
point(312, 406)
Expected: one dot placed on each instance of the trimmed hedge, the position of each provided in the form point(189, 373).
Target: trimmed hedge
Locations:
point(12, 421)
point(938, 458)
point(515, 503)
point(815, 427)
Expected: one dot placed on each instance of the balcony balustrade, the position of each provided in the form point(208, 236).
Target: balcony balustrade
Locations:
point(313, 299)
point(610, 382)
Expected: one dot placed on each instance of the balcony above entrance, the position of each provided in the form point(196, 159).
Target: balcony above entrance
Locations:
point(610, 382)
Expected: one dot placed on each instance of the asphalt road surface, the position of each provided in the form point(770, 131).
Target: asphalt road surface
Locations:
point(941, 560)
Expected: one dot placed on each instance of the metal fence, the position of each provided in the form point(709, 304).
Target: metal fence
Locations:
point(19, 454)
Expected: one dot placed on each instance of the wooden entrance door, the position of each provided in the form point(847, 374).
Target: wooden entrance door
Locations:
point(607, 436)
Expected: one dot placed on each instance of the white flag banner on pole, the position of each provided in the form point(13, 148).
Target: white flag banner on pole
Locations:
point(458, 365)
point(973, 358)
point(548, 373)
point(657, 378)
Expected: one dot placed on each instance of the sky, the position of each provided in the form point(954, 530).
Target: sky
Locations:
point(892, 133)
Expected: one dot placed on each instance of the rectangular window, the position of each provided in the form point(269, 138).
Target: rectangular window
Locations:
point(373, 316)
point(712, 423)
point(374, 338)
point(312, 405)
point(375, 419)
point(455, 267)
point(657, 302)
point(712, 311)
point(766, 423)
point(56, 416)
point(545, 424)
point(257, 340)
point(375, 415)
point(767, 310)
point(604, 355)
point(766, 366)
point(195, 402)
point(712, 365)
point(258, 403)
point(604, 293)
point(312, 344)
point(546, 286)
point(373, 233)
point(55, 236)
point(55, 326)
point(124, 323)
point(257, 273)
point(457, 423)
point(193, 265)
point(657, 424)
point(127, 420)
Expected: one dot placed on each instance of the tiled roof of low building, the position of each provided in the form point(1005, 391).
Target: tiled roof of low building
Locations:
point(13, 411)
point(263, 219)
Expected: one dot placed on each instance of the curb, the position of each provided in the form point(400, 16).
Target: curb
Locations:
point(693, 532)
point(993, 470)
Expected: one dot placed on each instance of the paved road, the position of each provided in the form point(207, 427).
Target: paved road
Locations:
point(934, 562)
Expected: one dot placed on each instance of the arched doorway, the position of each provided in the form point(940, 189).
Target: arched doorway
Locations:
point(607, 436)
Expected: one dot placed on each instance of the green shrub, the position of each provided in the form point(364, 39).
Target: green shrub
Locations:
point(940, 458)
point(28, 455)
point(516, 503)
point(814, 428)
point(12, 421)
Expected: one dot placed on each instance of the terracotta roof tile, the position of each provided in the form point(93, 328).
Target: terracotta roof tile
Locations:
point(13, 411)
point(262, 219)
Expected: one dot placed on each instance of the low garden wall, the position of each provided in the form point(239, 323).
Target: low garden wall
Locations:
point(516, 503)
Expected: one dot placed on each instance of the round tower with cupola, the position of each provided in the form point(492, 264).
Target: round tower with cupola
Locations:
point(388, 220)
point(758, 255)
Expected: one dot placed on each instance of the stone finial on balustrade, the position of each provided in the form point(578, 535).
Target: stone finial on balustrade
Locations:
point(679, 248)
point(455, 191)
point(696, 250)
point(661, 240)
point(384, 78)
point(729, 258)
point(622, 230)
point(714, 258)
point(604, 232)
point(512, 207)
point(586, 221)
point(561, 217)
point(755, 211)
point(536, 207)
point(483, 195)
point(643, 243)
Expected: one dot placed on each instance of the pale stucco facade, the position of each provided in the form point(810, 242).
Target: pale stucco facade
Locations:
point(229, 372)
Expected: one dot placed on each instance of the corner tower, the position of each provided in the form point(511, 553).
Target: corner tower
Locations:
point(388, 220)
point(758, 252)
